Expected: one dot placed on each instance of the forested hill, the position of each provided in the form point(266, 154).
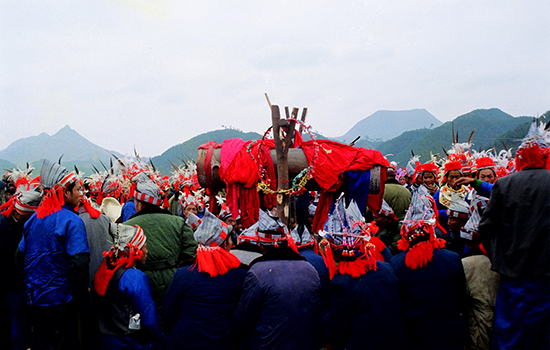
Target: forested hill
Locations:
point(491, 126)
point(187, 150)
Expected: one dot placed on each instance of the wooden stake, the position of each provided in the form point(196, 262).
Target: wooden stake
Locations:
point(281, 149)
point(303, 119)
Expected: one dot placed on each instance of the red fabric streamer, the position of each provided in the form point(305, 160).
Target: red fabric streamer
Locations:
point(111, 263)
point(240, 174)
point(321, 213)
point(333, 159)
point(7, 208)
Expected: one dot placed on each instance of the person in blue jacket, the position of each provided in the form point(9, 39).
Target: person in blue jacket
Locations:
point(126, 314)
point(199, 307)
point(306, 245)
point(280, 307)
point(432, 284)
point(364, 309)
point(54, 253)
point(14, 214)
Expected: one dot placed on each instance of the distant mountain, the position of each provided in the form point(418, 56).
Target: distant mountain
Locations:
point(512, 138)
point(75, 149)
point(188, 150)
point(489, 125)
point(385, 125)
point(6, 166)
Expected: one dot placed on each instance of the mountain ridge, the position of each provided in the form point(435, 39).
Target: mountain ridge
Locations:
point(384, 125)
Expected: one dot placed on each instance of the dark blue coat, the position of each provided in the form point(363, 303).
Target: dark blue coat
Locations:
point(433, 300)
point(322, 270)
point(11, 233)
point(134, 286)
point(280, 307)
point(199, 310)
point(365, 312)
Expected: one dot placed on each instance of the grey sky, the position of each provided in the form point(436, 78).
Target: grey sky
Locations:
point(155, 73)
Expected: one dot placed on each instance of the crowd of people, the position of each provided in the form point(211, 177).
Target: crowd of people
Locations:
point(456, 257)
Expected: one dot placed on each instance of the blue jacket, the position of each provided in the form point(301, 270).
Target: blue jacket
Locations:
point(365, 312)
point(11, 233)
point(135, 287)
point(433, 300)
point(51, 246)
point(280, 307)
point(322, 270)
point(199, 310)
point(128, 209)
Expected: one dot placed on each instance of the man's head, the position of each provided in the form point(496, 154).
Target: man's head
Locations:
point(212, 232)
point(428, 178)
point(390, 173)
point(487, 175)
point(458, 213)
point(485, 169)
point(191, 208)
point(452, 177)
point(146, 193)
point(72, 194)
point(22, 205)
point(59, 186)
point(385, 216)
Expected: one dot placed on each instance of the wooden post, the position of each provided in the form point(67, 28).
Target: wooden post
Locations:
point(282, 144)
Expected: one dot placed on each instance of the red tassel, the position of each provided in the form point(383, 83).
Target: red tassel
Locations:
point(94, 213)
point(7, 208)
point(165, 203)
point(326, 253)
point(379, 247)
point(353, 268)
point(419, 255)
point(104, 275)
point(215, 261)
point(225, 261)
point(292, 244)
point(99, 198)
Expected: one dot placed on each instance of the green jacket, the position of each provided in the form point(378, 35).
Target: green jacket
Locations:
point(169, 242)
point(398, 198)
point(390, 235)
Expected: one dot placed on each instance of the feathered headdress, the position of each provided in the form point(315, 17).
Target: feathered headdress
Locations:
point(534, 149)
point(346, 232)
point(418, 230)
point(54, 178)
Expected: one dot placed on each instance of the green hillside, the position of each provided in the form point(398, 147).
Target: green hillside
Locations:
point(512, 138)
point(188, 150)
point(489, 125)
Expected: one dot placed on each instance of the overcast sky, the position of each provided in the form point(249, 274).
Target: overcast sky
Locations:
point(155, 73)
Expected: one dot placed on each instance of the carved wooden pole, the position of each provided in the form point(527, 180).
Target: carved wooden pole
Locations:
point(282, 144)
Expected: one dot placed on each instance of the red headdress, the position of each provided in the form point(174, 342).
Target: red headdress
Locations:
point(534, 149)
